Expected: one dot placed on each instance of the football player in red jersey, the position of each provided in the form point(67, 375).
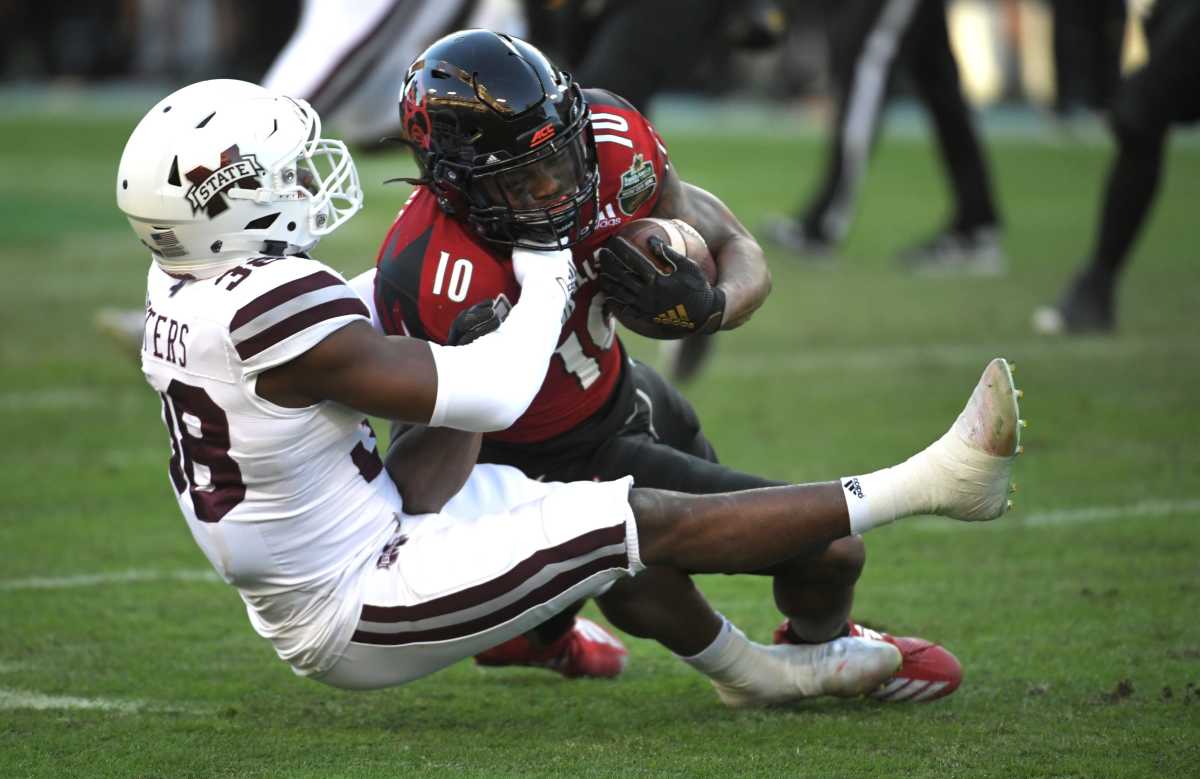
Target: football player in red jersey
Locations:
point(512, 153)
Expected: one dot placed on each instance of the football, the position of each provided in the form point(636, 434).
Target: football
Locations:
point(677, 234)
point(929, 672)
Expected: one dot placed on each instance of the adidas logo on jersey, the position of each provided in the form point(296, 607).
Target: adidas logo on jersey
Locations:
point(609, 218)
point(854, 488)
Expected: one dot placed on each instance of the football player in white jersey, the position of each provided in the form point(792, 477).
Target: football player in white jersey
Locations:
point(267, 367)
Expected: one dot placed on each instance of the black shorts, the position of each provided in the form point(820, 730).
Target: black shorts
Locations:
point(647, 430)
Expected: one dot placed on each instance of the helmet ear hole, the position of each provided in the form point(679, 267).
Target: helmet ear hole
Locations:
point(263, 222)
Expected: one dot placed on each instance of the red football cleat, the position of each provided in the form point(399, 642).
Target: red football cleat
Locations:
point(929, 671)
point(588, 650)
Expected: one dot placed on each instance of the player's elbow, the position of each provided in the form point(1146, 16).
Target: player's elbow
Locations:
point(488, 413)
point(503, 415)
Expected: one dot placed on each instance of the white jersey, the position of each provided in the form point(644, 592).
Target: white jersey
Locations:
point(290, 505)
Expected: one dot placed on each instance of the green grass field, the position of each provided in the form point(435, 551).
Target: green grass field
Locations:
point(120, 657)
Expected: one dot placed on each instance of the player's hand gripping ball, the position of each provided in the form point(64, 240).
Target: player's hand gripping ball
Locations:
point(658, 275)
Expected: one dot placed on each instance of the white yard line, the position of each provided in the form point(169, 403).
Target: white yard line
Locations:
point(872, 359)
point(1147, 509)
point(1152, 509)
point(23, 699)
point(51, 399)
point(115, 577)
point(11, 699)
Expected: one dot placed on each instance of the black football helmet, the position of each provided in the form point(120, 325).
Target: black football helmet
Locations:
point(503, 138)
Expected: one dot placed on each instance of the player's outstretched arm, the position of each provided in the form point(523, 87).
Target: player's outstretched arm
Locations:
point(742, 272)
point(483, 386)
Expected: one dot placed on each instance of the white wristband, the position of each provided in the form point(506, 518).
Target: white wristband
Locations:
point(487, 384)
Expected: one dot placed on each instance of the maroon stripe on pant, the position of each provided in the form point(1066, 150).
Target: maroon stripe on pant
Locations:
point(546, 592)
point(303, 320)
point(506, 582)
point(282, 294)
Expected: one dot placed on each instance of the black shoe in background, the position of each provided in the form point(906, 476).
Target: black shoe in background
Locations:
point(1087, 306)
point(974, 251)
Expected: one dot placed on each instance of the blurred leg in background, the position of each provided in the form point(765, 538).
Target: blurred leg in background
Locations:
point(868, 41)
point(864, 41)
point(1087, 54)
point(1148, 102)
point(970, 240)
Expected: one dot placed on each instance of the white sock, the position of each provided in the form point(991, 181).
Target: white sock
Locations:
point(714, 657)
point(735, 662)
point(883, 496)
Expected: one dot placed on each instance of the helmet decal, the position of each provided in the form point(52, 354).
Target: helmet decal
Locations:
point(208, 185)
point(167, 244)
point(416, 118)
point(544, 133)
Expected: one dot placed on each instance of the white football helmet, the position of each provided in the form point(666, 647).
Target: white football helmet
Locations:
point(221, 170)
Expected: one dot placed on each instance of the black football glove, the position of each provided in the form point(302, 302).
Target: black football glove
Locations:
point(474, 322)
point(674, 304)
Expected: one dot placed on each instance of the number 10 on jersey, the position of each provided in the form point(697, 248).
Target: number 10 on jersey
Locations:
point(460, 277)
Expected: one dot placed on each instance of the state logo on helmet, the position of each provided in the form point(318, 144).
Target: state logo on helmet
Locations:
point(503, 139)
point(222, 170)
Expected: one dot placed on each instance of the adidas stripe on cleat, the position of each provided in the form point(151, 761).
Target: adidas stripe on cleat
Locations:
point(927, 670)
point(846, 667)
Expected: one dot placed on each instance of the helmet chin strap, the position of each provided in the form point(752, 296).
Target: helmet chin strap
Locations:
point(203, 269)
point(233, 253)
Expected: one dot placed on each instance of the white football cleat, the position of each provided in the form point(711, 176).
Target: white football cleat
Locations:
point(967, 472)
point(928, 672)
point(844, 668)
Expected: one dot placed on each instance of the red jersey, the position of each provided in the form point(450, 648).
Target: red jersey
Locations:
point(432, 267)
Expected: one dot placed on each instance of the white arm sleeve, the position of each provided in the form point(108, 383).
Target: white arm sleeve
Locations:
point(487, 384)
